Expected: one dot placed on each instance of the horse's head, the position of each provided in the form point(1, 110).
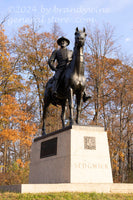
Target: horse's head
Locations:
point(80, 37)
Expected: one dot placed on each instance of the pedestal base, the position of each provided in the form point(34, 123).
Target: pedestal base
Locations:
point(79, 154)
point(69, 187)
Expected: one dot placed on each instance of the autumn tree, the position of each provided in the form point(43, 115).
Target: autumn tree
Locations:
point(109, 82)
point(34, 49)
point(17, 130)
point(16, 124)
point(10, 81)
point(120, 123)
point(100, 65)
point(16, 127)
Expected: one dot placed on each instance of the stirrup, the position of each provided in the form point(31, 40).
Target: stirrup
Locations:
point(85, 98)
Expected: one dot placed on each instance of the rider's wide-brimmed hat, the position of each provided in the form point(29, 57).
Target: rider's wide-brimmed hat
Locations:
point(63, 38)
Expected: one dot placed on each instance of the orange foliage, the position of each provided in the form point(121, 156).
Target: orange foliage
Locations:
point(9, 79)
point(15, 122)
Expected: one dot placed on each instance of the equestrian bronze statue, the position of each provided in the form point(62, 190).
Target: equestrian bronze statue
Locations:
point(69, 79)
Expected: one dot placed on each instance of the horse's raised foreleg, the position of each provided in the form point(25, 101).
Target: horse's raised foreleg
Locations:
point(45, 107)
point(70, 100)
point(78, 99)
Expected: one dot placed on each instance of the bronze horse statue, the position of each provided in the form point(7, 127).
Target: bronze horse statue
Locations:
point(71, 82)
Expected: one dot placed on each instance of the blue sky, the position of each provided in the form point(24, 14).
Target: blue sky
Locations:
point(70, 14)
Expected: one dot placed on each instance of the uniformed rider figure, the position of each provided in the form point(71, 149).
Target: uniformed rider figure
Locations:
point(63, 57)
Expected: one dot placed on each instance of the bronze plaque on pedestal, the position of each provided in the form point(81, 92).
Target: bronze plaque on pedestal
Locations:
point(48, 148)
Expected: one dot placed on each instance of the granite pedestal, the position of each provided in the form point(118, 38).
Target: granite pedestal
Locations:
point(78, 154)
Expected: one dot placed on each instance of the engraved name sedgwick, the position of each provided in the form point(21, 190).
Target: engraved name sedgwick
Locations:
point(91, 165)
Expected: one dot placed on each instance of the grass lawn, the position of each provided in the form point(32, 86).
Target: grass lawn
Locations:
point(65, 196)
